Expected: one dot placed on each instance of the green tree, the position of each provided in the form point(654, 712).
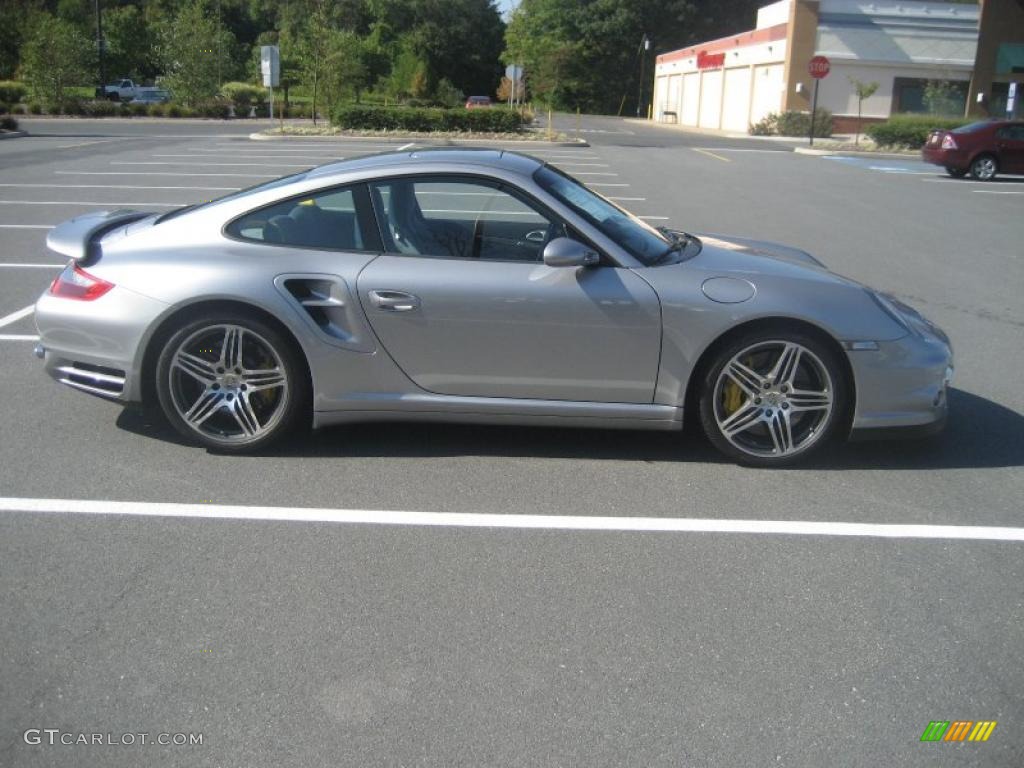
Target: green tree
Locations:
point(863, 91)
point(344, 68)
point(55, 56)
point(194, 50)
point(130, 44)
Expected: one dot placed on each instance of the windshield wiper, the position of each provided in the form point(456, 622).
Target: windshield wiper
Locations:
point(679, 241)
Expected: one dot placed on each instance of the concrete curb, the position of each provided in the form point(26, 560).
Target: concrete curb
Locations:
point(399, 137)
point(13, 134)
point(857, 153)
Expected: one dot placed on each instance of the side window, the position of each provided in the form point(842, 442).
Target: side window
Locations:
point(325, 220)
point(459, 218)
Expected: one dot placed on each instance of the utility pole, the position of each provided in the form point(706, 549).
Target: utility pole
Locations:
point(100, 46)
point(645, 45)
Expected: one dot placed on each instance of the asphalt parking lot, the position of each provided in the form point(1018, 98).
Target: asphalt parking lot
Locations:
point(313, 639)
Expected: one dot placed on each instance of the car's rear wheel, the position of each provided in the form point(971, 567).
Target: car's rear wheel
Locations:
point(984, 168)
point(231, 382)
point(773, 398)
point(956, 173)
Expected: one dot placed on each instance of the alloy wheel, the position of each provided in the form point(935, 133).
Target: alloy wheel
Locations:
point(773, 399)
point(228, 384)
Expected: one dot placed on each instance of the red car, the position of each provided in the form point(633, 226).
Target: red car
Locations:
point(981, 149)
point(477, 102)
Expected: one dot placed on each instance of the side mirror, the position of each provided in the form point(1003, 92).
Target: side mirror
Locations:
point(565, 252)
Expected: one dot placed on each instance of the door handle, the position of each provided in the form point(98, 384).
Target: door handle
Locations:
point(394, 301)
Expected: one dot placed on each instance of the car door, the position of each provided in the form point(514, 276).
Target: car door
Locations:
point(464, 304)
point(1010, 141)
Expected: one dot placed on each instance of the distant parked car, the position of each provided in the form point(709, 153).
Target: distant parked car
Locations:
point(123, 90)
point(151, 96)
point(476, 102)
point(980, 149)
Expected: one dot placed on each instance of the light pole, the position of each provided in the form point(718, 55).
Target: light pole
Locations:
point(645, 45)
point(100, 46)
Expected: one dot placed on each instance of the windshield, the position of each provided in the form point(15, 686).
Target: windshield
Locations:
point(635, 236)
point(261, 187)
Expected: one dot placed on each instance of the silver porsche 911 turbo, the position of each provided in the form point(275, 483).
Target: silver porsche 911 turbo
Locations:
point(476, 286)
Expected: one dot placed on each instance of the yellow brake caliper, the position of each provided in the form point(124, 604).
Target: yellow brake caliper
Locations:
point(732, 395)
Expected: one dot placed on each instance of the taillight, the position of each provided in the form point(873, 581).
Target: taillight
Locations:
point(75, 283)
point(948, 142)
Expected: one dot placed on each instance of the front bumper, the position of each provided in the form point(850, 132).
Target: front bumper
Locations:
point(96, 346)
point(902, 387)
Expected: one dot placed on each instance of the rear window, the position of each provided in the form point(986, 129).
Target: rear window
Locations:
point(972, 127)
point(262, 187)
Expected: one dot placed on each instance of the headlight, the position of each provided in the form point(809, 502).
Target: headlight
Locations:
point(908, 317)
point(891, 307)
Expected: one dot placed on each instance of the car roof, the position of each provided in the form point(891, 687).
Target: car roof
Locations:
point(458, 158)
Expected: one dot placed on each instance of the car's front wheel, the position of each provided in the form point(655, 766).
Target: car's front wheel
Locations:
point(984, 168)
point(231, 382)
point(956, 173)
point(773, 398)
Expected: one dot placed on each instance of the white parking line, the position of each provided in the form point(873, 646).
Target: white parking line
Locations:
point(596, 173)
point(17, 337)
point(560, 164)
point(321, 158)
point(116, 186)
point(164, 173)
point(412, 144)
point(27, 226)
point(16, 316)
point(513, 521)
point(598, 184)
point(620, 199)
point(79, 202)
point(31, 266)
point(654, 218)
point(998, 191)
point(207, 165)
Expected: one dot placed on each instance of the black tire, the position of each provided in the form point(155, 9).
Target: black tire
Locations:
point(984, 168)
point(956, 173)
point(823, 366)
point(277, 408)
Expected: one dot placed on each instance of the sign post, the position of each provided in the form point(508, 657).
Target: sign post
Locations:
point(270, 67)
point(514, 73)
point(818, 68)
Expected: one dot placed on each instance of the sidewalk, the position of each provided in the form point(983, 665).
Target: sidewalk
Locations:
point(837, 143)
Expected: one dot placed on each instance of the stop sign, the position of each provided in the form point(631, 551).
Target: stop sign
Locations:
point(819, 67)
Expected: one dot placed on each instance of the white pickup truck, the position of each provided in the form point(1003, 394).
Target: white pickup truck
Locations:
point(122, 90)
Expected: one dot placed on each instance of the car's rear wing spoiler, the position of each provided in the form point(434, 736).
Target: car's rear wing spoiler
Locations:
point(74, 237)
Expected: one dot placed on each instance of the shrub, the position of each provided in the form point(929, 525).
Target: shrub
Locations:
point(297, 110)
point(100, 108)
point(766, 126)
point(35, 108)
point(12, 91)
point(910, 130)
point(427, 119)
point(174, 110)
point(792, 123)
point(155, 110)
point(243, 96)
point(8, 123)
point(218, 109)
point(138, 110)
point(68, 107)
point(5, 109)
point(19, 109)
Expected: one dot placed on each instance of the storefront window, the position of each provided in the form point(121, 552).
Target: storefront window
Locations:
point(936, 97)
